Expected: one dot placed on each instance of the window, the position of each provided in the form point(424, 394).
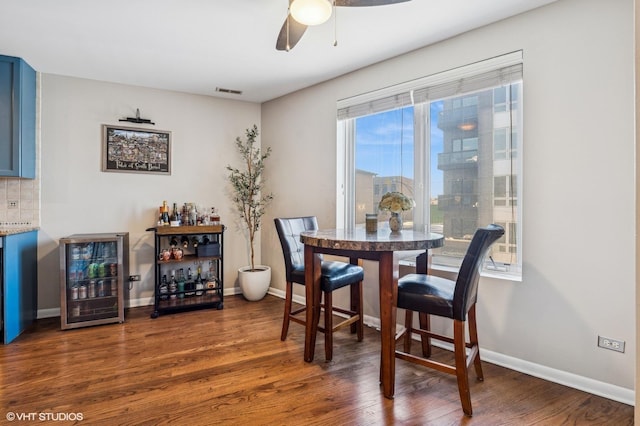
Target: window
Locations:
point(451, 143)
point(504, 146)
point(504, 191)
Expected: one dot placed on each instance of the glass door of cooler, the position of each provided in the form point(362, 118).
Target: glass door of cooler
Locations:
point(93, 267)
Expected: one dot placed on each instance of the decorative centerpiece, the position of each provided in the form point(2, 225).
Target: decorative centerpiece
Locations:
point(396, 203)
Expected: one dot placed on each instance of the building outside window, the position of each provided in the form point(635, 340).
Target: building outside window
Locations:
point(452, 146)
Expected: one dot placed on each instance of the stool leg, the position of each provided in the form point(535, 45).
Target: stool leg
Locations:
point(461, 366)
point(287, 310)
point(473, 339)
point(360, 323)
point(425, 324)
point(357, 303)
point(408, 324)
point(328, 325)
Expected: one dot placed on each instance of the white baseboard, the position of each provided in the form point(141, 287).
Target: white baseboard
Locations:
point(141, 301)
point(595, 387)
point(605, 390)
point(48, 313)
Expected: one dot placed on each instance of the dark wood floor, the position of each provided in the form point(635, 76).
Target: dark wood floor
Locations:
point(230, 367)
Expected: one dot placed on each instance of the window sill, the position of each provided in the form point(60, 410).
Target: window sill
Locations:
point(442, 270)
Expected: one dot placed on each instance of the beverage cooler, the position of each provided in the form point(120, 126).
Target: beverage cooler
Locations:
point(94, 271)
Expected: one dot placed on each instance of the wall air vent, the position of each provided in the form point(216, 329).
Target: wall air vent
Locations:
point(231, 91)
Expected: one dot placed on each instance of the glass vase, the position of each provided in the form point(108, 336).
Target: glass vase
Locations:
point(395, 222)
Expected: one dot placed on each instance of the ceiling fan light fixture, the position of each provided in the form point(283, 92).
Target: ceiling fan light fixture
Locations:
point(311, 12)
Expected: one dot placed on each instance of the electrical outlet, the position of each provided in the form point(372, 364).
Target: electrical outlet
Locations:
point(12, 204)
point(613, 344)
point(134, 277)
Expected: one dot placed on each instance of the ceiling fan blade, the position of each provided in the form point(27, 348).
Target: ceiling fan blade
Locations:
point(296, 30)
point(358, 3)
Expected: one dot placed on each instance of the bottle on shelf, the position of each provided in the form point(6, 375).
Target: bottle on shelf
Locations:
point(185, 215)
point(175, 215)
point(164, 288)
point(199, 283)
point(184, 241)
point(214, 217)
point(193, 215)
point(189, 285)
point(180, 281)
point(165, 213)
point(173, 285)
point(195, 242)
point(211, 283)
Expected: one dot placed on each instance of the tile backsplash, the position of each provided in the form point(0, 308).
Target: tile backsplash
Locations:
point(20, 198)
point(19, 202)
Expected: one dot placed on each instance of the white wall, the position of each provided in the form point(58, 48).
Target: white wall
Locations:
point(77, 197)
point(636, 3)
point(579, 193)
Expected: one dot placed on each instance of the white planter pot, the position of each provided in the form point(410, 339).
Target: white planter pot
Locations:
point(254, 284)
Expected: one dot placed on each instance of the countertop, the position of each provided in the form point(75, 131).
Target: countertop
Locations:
point(382, 240)
point(10, 230)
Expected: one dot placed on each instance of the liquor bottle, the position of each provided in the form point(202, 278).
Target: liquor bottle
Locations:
point(195, 242)
point(180, 281)
point(164, 288)
point(214, 217)
point(165, 213)
point(211, 283)
point(173, 285)
point(185, 241)
point(185, 215)
point(175, 214)
point(193, 215)
point(199, 282)
point(173, 242)
point(189, 285)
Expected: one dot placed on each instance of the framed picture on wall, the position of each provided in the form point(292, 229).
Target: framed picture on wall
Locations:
point(135, 150)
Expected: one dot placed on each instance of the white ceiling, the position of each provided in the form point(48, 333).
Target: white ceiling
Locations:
point(195, 46)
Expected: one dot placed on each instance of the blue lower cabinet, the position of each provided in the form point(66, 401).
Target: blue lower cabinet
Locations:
point(19, 282)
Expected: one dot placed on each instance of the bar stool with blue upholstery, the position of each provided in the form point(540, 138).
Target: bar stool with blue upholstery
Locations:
point(334, 275)
point(431, 295)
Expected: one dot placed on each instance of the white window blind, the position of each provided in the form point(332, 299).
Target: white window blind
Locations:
point(493, 72)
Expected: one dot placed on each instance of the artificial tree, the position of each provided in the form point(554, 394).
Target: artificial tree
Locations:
point(248, 185)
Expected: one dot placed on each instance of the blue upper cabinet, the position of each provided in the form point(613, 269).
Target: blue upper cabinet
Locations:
point(17, 118)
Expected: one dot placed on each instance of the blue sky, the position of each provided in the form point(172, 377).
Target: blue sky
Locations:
point(379, 137)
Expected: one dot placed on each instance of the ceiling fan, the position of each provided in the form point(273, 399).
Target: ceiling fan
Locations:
point(304, 13)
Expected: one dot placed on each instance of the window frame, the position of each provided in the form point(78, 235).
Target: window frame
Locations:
point(346, 172)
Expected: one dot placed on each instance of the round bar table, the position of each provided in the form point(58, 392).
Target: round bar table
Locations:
point(382, 246)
